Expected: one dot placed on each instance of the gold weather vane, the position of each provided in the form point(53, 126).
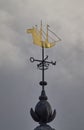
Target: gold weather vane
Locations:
point(44, 40)
point(41, 38)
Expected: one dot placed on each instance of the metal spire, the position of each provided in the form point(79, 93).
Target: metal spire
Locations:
point(43, 111)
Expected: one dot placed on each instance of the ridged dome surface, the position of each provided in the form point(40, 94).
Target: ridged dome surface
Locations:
point(43, 110)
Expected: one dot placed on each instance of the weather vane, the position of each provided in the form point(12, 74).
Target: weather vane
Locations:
point(43, 111)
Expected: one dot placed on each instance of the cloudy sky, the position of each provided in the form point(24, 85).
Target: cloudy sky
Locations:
point(19, 88)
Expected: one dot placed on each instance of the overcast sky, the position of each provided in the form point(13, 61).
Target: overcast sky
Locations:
point(19, 79)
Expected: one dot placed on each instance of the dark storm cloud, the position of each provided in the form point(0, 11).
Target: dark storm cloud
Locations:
point(19, 89)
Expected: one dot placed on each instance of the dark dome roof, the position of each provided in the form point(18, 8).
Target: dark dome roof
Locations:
point(43, 110)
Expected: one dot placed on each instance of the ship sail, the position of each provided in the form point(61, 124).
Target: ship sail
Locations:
point(41, 38)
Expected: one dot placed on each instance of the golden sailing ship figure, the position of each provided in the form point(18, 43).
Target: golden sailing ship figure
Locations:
point(41, 38)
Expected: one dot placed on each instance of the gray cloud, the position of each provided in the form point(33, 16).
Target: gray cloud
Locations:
point(19, 89)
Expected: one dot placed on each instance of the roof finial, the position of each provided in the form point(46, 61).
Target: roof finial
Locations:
point(43, 111)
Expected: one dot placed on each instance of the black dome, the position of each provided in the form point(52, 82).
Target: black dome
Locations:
point(43, 110)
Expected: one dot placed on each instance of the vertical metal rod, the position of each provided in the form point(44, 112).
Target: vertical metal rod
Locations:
point(43, 67)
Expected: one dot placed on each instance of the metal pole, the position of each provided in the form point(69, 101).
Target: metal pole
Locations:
point(43, 67)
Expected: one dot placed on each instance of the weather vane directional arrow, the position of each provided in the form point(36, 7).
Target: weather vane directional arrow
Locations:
point(43, 63)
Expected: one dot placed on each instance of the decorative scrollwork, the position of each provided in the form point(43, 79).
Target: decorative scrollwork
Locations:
point(40, 65)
